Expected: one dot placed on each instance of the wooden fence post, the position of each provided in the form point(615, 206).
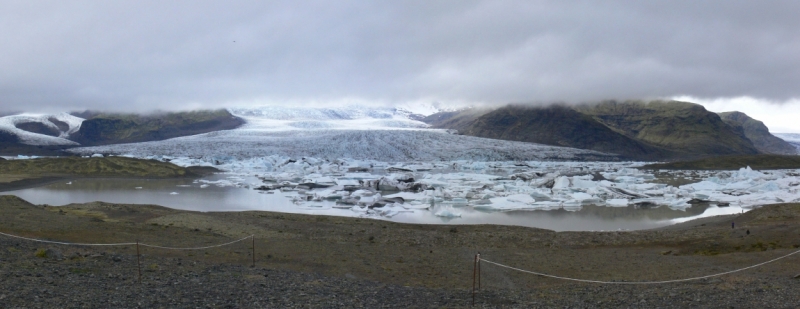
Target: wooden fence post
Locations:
point(138, 264)
point(474, 270)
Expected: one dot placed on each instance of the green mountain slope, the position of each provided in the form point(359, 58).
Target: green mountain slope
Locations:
point(758, 133)
point(635, 129)
point(553, 125)
point(686, 128)
point(104, 129)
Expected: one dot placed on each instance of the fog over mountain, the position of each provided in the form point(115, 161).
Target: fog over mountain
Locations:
point(148, 55)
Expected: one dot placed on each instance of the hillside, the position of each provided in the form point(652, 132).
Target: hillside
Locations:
point(554, 125)
point(104, 129)
point(94, 167)
point(758, 133)
point(687, 128)
point(635, 129)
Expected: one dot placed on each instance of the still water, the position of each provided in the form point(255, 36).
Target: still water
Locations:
point(188, 194)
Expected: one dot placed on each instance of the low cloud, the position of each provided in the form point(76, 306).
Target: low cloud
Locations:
point(145, 55)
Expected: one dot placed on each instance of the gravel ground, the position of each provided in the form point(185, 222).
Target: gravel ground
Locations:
point(320, 262)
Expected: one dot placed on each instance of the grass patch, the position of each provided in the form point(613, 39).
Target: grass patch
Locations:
point(94, 167)
point(41, 253)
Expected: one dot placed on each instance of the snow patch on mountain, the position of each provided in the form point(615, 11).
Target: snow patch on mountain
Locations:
point(9, 124)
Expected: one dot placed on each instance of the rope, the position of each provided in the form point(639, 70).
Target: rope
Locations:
point(197, 248)
point(639, 282)
point(125, 243)
point(68, 243)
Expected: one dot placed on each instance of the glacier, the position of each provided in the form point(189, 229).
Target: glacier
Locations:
point(381, 163)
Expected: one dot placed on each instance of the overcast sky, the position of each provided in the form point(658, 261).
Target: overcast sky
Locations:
point(145, 55)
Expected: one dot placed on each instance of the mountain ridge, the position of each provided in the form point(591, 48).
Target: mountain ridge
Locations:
point(641, 130)
point(758, 133)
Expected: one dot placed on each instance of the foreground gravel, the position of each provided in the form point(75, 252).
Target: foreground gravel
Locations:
point(88, 278)
point(332, 262)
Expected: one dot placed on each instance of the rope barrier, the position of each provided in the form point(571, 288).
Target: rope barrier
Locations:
point(126, 243)
point(197, 248)
point(68, 243)
point(637, 282)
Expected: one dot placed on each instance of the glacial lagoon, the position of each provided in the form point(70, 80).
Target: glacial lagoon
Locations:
point(234, 192)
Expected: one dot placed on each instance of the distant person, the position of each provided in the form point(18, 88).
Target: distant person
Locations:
point(748, 232)
point(732, 224)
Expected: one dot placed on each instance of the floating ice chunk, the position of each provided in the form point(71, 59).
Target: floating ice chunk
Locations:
point(138, 188)
point(561, 182)
point(407, 195)
point(617, 202)
point(654, 192)
point(580, 196)
point(347, 182)
point(701, 195)
point(447, 212)
point(359, 209)
point(583, 183)
point(704, 185)
point(765, 187)
point(747, 173)
point(540, 196)
point(521, 198)
point(459, 201)
point(173, 193)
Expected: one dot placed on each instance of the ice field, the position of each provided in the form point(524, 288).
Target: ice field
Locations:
point(382, 163)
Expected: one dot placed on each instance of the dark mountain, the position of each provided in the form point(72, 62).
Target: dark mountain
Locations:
point(638, 130)
point(686, 128)
point(553, 125)
point(10, 145)
point(758, 133)
point(103, 129)
point(38, 127)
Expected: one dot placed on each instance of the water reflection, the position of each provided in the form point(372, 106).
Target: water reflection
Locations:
point(189, 195)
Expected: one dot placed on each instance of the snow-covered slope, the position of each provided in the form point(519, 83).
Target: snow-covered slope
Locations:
point(791, 138)
point(68, 124)
point(274, 118)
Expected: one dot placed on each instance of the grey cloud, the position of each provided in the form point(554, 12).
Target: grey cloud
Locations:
point(142, 55)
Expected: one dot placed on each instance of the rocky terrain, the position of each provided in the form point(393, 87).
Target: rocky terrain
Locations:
point(334, 262)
